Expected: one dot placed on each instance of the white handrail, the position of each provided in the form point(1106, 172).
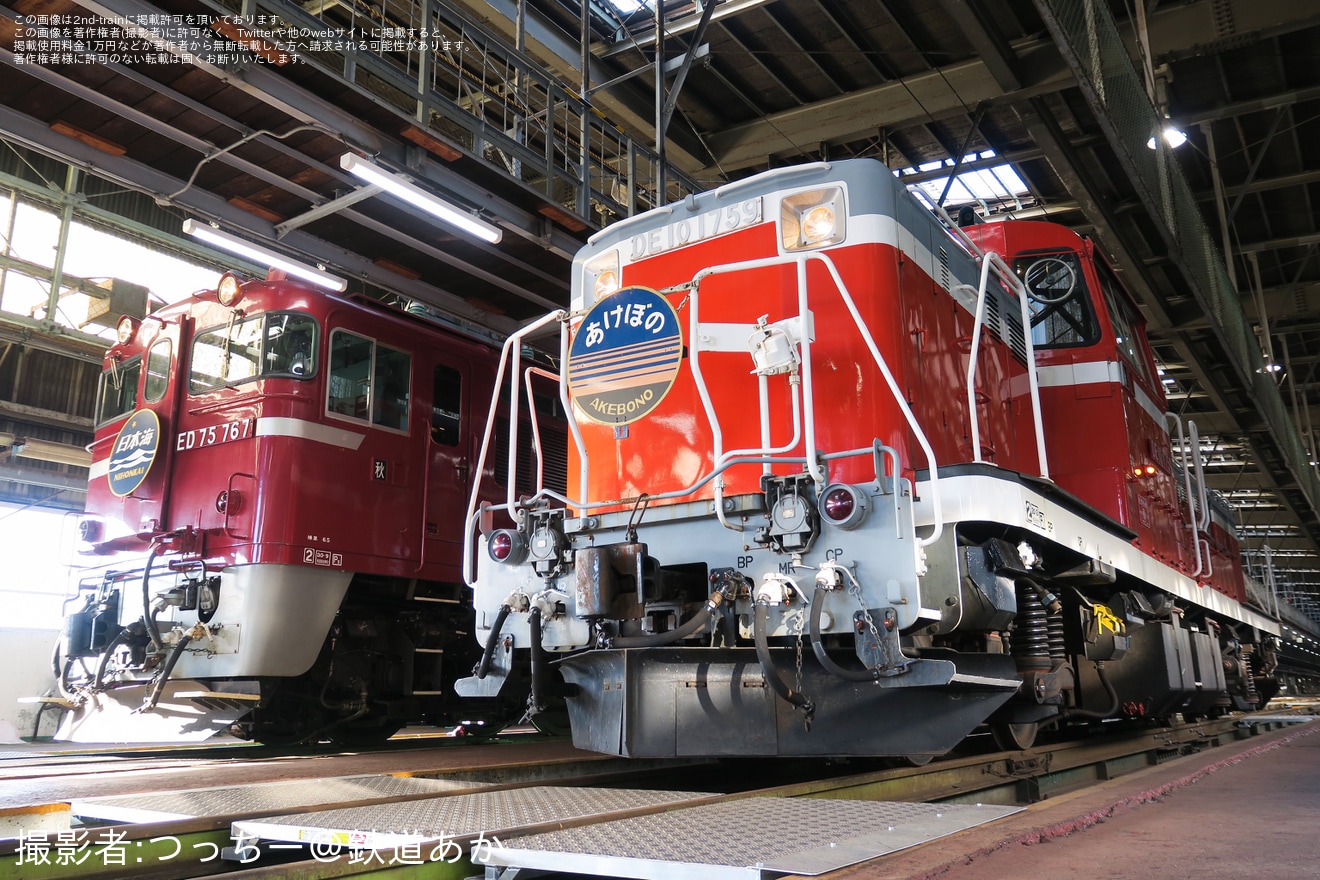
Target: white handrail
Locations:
point(1033, 380)
point(514, 341)
point(1203, 521)
point(1187, 487)
point(936, 505)
point(992, 263)
point(807, 390)
point(978, 320)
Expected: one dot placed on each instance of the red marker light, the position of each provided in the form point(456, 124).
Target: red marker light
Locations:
point(501, 546)
point(839, 504)
point(507, 546)
point(843, 506)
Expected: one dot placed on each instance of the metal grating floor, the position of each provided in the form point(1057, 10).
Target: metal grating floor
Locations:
point(489, 813)
point(266, 797)
point(738, 840)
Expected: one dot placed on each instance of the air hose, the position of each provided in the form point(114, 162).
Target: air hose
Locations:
point(678, 633)
point(483, 666)
point(148, 615)
point(1113, 696)
point(787, 694)
point(159, 687)
point(831, 667)
point(536, 702)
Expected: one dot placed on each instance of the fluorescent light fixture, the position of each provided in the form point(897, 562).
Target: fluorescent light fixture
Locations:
point(420, 198)
point(258, 254)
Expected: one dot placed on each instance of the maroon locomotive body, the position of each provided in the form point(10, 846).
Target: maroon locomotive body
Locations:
point(292, 468)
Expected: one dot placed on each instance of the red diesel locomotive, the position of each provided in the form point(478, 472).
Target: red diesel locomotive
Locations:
point(846, 479)
point(290, 469)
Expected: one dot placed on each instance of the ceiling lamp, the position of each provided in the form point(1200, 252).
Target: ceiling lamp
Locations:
point(262, 256)
point(1174, 136)
point(451, 215)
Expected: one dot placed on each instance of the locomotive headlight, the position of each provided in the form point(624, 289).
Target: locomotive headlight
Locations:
point(602, 276)
point(507, 546)
point(812, 219)
point(89, 530)
point(227, 291)
point(125, 329)
point(818, 224)
point(843, 505)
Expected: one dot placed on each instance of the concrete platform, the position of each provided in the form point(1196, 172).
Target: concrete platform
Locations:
point(1246, 810)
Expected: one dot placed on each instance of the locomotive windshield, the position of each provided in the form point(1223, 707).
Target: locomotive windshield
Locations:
point(1061, 313)
point(118, 393)
point(272, 344)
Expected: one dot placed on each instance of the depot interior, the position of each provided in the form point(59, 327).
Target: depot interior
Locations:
point(543, 118)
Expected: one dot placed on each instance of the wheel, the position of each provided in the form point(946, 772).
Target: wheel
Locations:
point(1015, 737)
point(909, 760)
point(552, 722)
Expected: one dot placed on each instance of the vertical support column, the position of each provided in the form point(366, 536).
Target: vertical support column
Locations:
point(584, 131)
point(8, 237)
point(426, 65)
point(631, 203)
point(71, 182)
point(660, 182)
point(1207, 128)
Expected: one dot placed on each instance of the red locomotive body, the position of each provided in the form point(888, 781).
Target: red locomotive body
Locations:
point(906, 310)
point(838, 462)
point(294, 466)
point(1105, 414)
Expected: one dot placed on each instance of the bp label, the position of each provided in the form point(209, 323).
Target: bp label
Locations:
point(134, 452)
point(625, 356)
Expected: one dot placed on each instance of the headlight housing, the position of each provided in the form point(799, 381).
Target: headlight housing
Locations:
point(601, 277)
point(228, 290)
point(813, 219)
point(126, 329)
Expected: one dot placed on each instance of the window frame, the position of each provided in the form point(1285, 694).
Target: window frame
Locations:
point(1123, 313)
point(457, 413)
point(1023, 261)
point(369, 419)
point(168, 342)
point(261, 374)
point(133, 362)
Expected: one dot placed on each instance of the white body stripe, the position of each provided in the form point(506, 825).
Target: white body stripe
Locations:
point(978, 497)
point(1096, 372)
point(271, 426)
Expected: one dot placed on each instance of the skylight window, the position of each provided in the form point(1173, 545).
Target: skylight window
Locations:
point(976, 182)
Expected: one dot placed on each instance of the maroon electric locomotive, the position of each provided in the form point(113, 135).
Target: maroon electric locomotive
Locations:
point(285, 472)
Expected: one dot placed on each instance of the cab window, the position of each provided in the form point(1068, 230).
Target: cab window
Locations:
point(118, 391)
point(1126, 323)
point(1061, 312)
point(271, 344)
point(368, 381)
point(445, 402)
point(158, 370)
